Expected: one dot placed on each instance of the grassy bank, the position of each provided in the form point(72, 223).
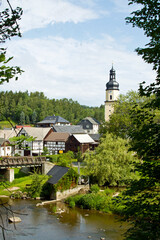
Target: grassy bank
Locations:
point(34, 181)
point(6, 124)
point(105, 201)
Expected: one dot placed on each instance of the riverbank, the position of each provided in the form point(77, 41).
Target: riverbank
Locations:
point(107, 201)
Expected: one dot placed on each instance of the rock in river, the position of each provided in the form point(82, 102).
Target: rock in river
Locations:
point(14, 219)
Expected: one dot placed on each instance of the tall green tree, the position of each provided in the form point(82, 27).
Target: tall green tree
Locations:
point(111, 163)
point(147, 17)
point(143, 196)
point(22, 118)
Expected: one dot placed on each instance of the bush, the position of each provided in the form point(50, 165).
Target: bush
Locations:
point(72, 204)
point(98, 201)
point(36, 185)
point(94, 188)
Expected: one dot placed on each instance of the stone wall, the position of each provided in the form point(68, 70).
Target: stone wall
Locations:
point(70, 192)
point(46, 167)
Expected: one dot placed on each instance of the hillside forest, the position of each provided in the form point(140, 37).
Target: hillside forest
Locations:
point(29, 108)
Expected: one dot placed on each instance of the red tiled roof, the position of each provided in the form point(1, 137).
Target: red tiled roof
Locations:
point(21, 126)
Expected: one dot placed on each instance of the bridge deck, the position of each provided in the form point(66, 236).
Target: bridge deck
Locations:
point(6, 162)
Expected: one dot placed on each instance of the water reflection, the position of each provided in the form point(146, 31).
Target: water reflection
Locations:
point(58, 222)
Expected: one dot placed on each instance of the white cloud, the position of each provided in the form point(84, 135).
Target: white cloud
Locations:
point(40, 13)
point(67, 68)
point(122, 6)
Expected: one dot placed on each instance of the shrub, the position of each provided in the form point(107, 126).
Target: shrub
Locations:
point(94, 188)
point(72, 204)
point(36, 185)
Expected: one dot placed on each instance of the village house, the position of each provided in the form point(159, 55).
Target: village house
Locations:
point(52, 120)
point(63, 182)
point(55, 142)
point(80, 142)
point(90, 125)
point(33, 148)
point(6, 149)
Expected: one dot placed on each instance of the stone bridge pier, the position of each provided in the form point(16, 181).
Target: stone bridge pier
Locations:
point(7, 174)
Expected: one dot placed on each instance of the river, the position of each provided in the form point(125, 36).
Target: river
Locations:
point(58, 222)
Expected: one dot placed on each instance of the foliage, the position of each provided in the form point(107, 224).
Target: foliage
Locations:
point(21, 140)
point(143, 196)
point(22, 118)
point(45, 151)
point(64, 159)
point(36, 185)
point(111, 163)
point(120, 120)
point(94, 188)
point(69, 180)
point(37, 106)
point(97, 201)
point(8, 29)
point(6, 124)
point(147, 18)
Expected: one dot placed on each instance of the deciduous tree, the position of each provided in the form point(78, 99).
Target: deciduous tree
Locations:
point(111, 163)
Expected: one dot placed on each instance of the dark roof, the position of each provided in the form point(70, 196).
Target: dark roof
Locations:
point(112, 84)
point(95, 137)
point(57, 137)
point(72, 129)
point(53, 119)
point(57, 172)
point(91, 120)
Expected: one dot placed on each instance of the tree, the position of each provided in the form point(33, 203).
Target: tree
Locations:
point(8, 29)
point(143, 196)
point(148, 19)
point(22, 118)
point(34, 117)
point(111, 163)
point(121, 121)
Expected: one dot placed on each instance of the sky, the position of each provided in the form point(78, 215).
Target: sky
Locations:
point(68, 47)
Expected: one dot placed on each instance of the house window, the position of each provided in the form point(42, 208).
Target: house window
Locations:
point(110, 97)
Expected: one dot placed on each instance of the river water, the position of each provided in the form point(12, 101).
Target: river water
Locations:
point(58, 222)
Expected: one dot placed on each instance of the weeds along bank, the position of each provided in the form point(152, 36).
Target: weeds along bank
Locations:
point(108, 200)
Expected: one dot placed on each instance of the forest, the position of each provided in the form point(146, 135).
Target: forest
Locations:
point(29, 108)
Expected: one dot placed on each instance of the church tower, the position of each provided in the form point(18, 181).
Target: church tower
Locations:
point(112, 93)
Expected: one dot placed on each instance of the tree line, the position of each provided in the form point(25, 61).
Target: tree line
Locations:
point(29, 108)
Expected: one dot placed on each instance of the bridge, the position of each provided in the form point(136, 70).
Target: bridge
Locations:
point(7, 165)
point(13, 162)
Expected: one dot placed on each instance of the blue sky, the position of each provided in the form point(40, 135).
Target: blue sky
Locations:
point(68, 47)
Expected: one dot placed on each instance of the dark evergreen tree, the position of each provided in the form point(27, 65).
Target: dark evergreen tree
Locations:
point(22, 118)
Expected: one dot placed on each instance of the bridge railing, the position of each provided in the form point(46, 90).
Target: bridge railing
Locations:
point(21, 161)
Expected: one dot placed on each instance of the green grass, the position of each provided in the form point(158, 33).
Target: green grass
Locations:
point(6, 124)
point(82, 170)
point(21, 179)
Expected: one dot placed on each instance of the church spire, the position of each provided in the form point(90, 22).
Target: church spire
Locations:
point(112, 84)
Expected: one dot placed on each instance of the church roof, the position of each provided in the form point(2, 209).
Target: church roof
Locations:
point(112, 84)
